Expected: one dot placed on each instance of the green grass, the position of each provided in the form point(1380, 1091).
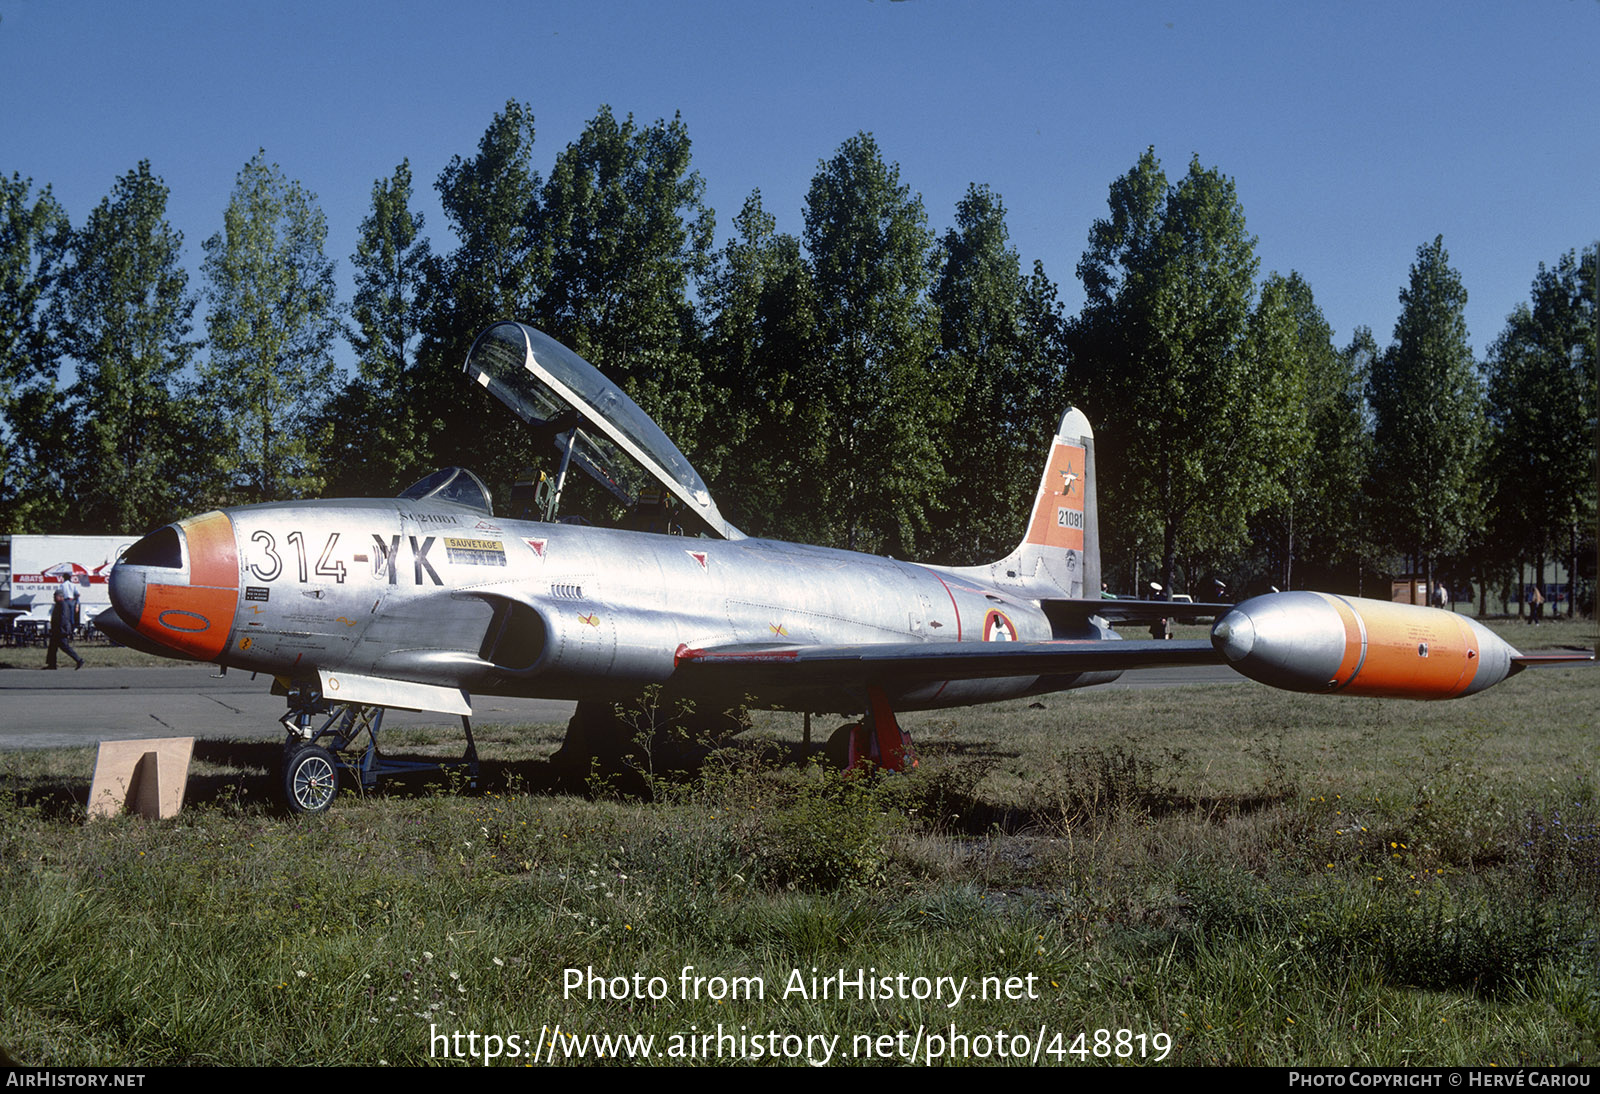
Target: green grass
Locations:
point(96, 654)
point(1265, 878)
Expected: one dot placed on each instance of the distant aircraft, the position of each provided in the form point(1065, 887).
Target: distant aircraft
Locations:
point(422, 601)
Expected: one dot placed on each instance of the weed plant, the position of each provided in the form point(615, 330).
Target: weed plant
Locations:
point(1264, 878)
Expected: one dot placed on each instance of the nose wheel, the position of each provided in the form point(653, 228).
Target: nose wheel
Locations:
point(348, 739)
point(310, 779)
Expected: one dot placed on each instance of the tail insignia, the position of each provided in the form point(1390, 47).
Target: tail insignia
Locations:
point(1058, 514)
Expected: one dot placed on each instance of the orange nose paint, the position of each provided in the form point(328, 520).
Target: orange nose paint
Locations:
point(196, 618)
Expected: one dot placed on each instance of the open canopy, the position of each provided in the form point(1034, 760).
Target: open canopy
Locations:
point(617, 444)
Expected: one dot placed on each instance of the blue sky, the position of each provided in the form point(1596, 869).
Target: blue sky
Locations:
point(1354, 132)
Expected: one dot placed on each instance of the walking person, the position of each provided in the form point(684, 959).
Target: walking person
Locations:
point(61, 632)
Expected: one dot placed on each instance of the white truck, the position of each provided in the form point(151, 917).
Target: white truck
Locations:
point(39, 565)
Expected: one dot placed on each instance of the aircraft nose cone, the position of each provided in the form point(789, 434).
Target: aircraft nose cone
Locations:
point(158, 555)
point(1234, 636)
point(127, 593)
point(178, 586)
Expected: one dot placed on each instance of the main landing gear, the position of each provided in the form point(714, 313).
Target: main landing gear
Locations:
point(314, 757)
point(877, 740)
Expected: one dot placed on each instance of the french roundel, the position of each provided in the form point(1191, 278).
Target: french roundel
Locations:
point(997, 627)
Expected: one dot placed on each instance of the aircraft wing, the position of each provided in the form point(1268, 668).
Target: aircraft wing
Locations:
point(757, 666)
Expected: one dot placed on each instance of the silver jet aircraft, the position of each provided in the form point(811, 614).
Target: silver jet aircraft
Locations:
point(421, 602)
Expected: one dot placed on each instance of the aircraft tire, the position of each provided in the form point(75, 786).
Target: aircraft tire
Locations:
point(838, 749)
point(310, 779)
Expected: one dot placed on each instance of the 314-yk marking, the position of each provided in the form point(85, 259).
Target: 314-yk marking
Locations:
point(269, 566)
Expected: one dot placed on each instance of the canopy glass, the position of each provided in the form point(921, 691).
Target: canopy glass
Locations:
point(617, 444)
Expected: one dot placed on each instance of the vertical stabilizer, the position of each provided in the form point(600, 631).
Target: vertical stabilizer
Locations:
point(1059, 555)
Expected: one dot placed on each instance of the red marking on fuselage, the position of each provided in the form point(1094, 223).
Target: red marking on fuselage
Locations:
point(953, 605)
point(955, 608)
point(711, 656)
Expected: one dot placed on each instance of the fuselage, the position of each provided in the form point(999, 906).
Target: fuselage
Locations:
point(441, 594)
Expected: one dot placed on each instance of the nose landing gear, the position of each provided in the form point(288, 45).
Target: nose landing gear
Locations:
point(313, 758)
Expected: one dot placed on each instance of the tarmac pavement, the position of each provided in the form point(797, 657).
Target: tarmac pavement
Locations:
point(68, 708)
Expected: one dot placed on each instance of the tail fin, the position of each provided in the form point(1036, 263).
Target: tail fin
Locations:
point(1059, 555)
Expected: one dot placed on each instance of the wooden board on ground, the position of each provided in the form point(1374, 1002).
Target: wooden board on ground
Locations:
point(145, 777)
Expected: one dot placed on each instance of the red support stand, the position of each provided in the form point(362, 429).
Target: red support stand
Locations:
point(890, 746)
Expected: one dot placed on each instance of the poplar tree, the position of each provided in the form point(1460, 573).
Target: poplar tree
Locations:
point(1540, 413)
point(33, 426)
point(868, 241)
point(392, 262)
point(272, 322)
point(762, 352)
point(1315, 523)
point(999, 364)
point(1427, 410)
point(1189, 423)
point(373, 435)
point(494, 273)
point(125, 318)
point(491, 202)
point(626, 233)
